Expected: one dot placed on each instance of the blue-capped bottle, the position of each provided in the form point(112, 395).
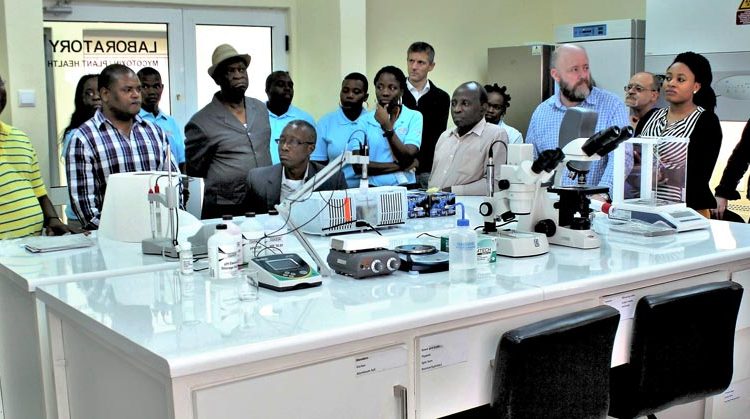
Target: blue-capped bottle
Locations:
point(462, 245)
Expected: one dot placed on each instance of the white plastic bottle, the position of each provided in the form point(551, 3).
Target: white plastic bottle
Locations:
point(186, 258)
point(462, 245)
point(222, 254)
point(252, 231)
point(275, 232)
point(235, 231)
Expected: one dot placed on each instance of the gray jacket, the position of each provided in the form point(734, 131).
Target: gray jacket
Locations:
point(219, 149)
point(264, 186)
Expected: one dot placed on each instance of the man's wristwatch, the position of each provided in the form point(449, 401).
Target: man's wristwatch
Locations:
point(388, 133)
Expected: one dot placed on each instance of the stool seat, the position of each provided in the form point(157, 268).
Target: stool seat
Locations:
point(682, 349)
point(556, 368)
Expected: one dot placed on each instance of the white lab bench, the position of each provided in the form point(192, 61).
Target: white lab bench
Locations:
point(23, 329)
point(145, 345)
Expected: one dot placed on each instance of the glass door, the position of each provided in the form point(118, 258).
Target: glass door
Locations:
point(178, 42)
point(259, 33)
point(92, 37)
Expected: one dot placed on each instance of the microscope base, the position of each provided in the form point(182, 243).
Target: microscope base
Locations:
point(159, 246)
point(581, 239)
point(519, 244)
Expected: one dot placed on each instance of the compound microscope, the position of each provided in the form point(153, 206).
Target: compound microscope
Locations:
point(557, 213)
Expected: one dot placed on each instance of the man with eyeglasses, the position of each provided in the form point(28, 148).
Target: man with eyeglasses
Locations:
point(115, 140)
point(151, 90)
point(268, 186)
point(228, 137)
point(641, 95)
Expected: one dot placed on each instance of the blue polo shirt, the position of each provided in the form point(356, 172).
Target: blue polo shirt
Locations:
point(408, 127)
point(337, 133)
point(175, 133)
point(544, 131)
point(279, 122)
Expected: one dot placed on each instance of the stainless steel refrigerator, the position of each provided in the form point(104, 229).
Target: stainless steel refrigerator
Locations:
point(615, 49)
point(525, 71)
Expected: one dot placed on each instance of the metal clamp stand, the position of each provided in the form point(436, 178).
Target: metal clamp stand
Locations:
point(307, 188)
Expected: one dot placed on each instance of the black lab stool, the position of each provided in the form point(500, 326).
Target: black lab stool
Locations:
point(683, 344)
point(556, 368)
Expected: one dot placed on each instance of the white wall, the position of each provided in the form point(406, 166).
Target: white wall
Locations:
point(694, 25)
point(462, 31)
point(330, 38)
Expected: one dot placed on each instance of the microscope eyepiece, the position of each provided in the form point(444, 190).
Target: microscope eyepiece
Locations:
point(547, 160)
point(601, 140)
point(625, 133)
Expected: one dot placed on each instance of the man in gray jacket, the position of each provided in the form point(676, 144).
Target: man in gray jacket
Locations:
point(268, 186)
point(228, 137)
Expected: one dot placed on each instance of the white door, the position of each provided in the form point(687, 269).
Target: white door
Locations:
point(259, 33)
point(176, 41)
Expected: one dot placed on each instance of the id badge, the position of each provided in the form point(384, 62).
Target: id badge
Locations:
point(401, 178)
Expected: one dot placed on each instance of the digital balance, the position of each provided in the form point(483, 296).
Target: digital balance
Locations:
point(285, 272)
point(653, 190)
point(676, 216)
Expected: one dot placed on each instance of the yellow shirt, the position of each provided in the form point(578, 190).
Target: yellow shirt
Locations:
point(21, 185)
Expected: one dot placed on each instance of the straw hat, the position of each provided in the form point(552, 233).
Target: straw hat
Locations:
point(222, 53)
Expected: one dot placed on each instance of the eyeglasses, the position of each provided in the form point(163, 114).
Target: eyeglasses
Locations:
point(637, 88)
point(291, 143)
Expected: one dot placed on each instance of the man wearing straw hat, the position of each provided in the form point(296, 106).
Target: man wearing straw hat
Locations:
point(228, 137)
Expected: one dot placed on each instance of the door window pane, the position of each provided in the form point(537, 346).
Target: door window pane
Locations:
point(74, 49)
point(252, 40)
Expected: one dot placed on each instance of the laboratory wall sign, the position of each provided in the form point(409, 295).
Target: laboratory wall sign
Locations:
point(89, 46)
point(93, 50)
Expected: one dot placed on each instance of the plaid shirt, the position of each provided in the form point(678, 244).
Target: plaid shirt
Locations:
point(544, 130)
point(98, 150)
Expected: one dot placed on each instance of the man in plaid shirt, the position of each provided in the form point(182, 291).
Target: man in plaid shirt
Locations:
point(570, 69)
point(115, 140)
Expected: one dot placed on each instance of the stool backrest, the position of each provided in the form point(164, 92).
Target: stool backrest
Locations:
point(556, 368)
point(683, 344)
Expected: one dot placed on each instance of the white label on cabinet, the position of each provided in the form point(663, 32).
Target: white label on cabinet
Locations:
point(374, 362)
point(736, 391)
point(443, 349)
point(624, 303)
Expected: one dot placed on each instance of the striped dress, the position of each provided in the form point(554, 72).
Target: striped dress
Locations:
point(671, 157)
point(21, 185)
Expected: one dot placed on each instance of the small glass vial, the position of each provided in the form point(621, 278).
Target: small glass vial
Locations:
point(186, 258)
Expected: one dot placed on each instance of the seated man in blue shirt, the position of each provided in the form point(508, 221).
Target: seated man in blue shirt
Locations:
point(570, 68)
point(280, 91)
point(151, 90)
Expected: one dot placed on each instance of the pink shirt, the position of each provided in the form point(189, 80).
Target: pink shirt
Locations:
point(460, 162)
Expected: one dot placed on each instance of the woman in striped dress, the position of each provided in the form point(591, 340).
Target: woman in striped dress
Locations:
point(690, 114)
